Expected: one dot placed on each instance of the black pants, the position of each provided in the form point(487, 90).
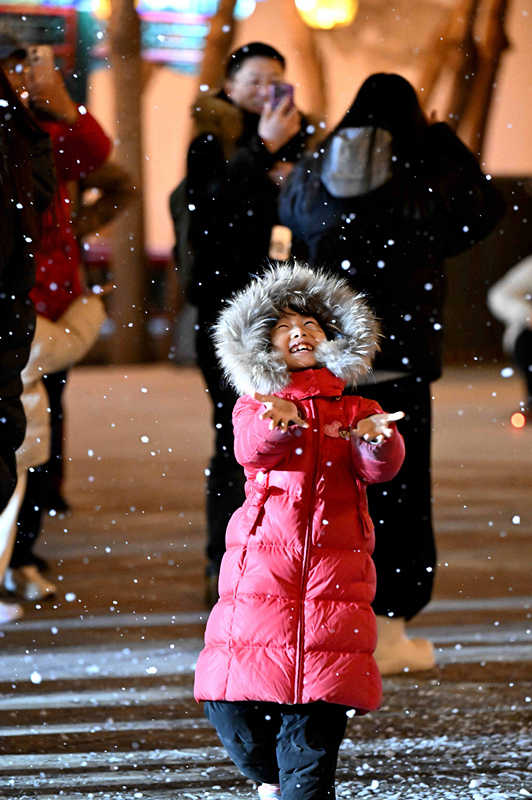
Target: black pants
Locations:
point(295, 746)
point(401, 510)
point(55, 384)
point(42, 479)
point(225, 480)
point(523, 359)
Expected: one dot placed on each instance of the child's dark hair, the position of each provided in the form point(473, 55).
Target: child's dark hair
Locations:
point(312, 308)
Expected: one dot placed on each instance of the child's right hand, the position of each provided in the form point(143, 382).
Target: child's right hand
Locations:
point(376, 429)
point(280, 412)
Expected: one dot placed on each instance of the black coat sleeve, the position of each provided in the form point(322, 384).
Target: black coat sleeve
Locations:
point(295, 204)
point(17, 313)
point(210, 177)
point(472, 203)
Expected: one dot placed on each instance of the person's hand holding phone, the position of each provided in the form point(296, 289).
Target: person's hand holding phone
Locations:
point(47, 90)
point(280, 124)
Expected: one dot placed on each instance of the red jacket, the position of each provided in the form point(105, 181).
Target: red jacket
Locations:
point(78, 150)
point(294, 622)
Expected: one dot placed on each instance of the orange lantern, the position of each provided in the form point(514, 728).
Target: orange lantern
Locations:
point(327, 14)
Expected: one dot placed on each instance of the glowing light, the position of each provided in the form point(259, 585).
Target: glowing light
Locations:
point(244, 9)
point(518, 420)
point(327, 14)
point(101, 9)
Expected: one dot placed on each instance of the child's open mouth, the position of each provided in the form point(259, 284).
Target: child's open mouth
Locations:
point(301, 348)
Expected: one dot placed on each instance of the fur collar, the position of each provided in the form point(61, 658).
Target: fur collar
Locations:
point(213, 114)
point(242, 333)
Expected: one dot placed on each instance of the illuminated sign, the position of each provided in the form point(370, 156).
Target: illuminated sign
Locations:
point(173, 32)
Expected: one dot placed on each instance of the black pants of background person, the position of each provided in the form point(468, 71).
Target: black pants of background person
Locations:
point(225, 479)
point(295, 746)
point(401, 510)
point(55, 386)
point(44, 482)
point(523, 359)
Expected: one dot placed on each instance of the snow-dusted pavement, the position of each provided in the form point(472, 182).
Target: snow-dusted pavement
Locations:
point(96, 685)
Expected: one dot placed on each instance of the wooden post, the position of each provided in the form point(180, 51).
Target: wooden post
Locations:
point(470, 48)
point(493, 42)
point(463, 60)
point(455, 52)
point(128, 259)
point(306, 51)
point(218, 45)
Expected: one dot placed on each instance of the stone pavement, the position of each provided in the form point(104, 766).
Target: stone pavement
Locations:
point(96, 684)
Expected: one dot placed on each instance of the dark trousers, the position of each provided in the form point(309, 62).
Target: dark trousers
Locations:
point(401, 510)
point(295, 746)
point(225, 479)
point(41, 480)
point(55, 384)
point(523, 359)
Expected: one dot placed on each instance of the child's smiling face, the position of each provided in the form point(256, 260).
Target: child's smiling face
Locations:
point(296, 337)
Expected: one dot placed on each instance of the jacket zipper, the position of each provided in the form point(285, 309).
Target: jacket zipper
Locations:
point(304, 570)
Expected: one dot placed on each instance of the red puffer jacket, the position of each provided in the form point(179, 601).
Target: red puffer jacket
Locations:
point(294, 622)
point(78, 149)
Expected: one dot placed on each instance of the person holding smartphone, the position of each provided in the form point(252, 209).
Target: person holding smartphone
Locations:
point(247, 137)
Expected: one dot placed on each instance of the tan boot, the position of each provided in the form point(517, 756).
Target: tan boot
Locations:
point(395, 653)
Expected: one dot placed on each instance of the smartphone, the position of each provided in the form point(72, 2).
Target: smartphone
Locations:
point(42, 61)
point(278, 91)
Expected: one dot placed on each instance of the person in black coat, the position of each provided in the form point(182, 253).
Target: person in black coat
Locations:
point(27, 182)
point(243, 148)
point(385, 200)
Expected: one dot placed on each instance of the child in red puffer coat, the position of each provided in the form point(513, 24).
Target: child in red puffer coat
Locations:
point(288, 647)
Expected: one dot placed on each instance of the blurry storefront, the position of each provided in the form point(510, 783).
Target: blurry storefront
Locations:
point(405, 37)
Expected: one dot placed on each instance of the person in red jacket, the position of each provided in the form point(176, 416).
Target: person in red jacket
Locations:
point(80, 147)
point(288, 647)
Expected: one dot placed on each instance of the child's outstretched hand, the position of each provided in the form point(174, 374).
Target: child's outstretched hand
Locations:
point(280, 412)
point(375, 429)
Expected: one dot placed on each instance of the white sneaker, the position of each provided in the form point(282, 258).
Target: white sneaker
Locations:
point(9, 612)
point(269, 791)
point(28, 583)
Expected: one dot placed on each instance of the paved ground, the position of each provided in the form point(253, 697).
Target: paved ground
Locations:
point(96, 685)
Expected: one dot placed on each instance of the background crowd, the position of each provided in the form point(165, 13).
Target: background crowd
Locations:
point(382, 201)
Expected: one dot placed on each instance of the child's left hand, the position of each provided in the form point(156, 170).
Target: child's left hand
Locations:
point(376, 429)
point(280, 412)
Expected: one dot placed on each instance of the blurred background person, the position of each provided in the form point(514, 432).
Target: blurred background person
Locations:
point(510, 300)
point(27, 181)
point(386, 199)
point(56, 346)
point(80, 149)
point(247, 137)
point(80, 146)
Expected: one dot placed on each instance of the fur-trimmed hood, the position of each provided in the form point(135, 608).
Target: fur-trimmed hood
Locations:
point(213, 113)
point(242, 333)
